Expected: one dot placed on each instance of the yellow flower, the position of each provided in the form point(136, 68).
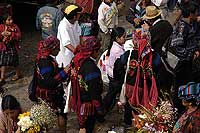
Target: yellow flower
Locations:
point(24, 114)
point(31, 130)
point(37, 128)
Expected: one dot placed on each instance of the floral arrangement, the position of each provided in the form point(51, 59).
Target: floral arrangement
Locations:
point(159, 119)
point(39, 119)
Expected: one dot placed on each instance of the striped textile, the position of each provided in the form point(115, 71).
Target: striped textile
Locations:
point(191, 90)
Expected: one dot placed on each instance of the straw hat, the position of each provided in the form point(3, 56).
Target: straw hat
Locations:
point(151, 12)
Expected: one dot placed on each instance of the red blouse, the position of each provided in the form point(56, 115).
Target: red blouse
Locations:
point(15, 36)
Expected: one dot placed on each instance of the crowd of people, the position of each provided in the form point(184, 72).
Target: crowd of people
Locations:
point(164, 57)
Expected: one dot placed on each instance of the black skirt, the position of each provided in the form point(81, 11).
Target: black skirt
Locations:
point(9, 57)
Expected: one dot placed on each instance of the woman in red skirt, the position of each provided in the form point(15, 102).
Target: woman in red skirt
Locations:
point(9, 46)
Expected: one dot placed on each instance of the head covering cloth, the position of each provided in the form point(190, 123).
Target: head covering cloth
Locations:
point(83, 51)
point(46, 46)
point(190, 91)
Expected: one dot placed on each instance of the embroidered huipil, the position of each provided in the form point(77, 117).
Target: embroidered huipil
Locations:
point(15, 35)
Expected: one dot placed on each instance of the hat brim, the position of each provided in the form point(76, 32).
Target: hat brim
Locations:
point(147, 17)
point(77, 9)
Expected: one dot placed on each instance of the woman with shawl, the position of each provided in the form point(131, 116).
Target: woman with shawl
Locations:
point(50, 77)
point(189, 122)
point(86, 84)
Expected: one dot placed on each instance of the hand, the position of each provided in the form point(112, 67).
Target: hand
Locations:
point(66, 69)
point(18, 130)
point(6, 33)
point(196, 55)
point(3, 33)
point(145, 26)
point(198, 18)
point(137, 21)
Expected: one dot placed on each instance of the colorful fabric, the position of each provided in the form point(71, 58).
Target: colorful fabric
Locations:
point(86, 99)
point(188, 123)
point(107, 16)
point(9, 46)
point(12, 39)
point(9, 57)
point(86, 29)
point(87, 5)
point(85, 50)
point(6, 124)
point(142, 69)
point(46, 46)
point(49, 82)
point(191, 90)
point(86, 82)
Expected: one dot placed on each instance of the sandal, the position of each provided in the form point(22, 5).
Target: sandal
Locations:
point(16, 78)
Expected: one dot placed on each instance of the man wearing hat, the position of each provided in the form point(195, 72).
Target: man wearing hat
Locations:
point(160, 31)
point(69, 33)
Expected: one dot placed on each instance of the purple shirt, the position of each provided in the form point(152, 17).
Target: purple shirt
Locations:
point(115, 52)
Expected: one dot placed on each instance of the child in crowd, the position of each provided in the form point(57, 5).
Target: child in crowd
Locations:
point(85, 24)
point(107, 20)
point(9, 46)
point(115, 50)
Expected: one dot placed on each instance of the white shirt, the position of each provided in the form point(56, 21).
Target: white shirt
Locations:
point(115, 52)
point(107, 16)
point(67, 34)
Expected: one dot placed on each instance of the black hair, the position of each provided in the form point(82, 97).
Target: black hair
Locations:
point(84, 17)
point(10, 102)
point(5, 17)
point(73, 13)
point(116, 32)
point(193, 101)
point(188, 7)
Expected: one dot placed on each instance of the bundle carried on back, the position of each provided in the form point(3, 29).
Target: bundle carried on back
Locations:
point(140, 88)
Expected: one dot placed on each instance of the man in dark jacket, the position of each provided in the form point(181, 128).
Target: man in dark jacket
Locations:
point(160, 31)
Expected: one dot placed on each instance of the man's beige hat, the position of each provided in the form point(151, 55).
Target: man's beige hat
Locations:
point(151, 12)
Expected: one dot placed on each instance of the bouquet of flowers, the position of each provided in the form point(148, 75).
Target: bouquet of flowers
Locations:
point(39, 119)
point(160, 119)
